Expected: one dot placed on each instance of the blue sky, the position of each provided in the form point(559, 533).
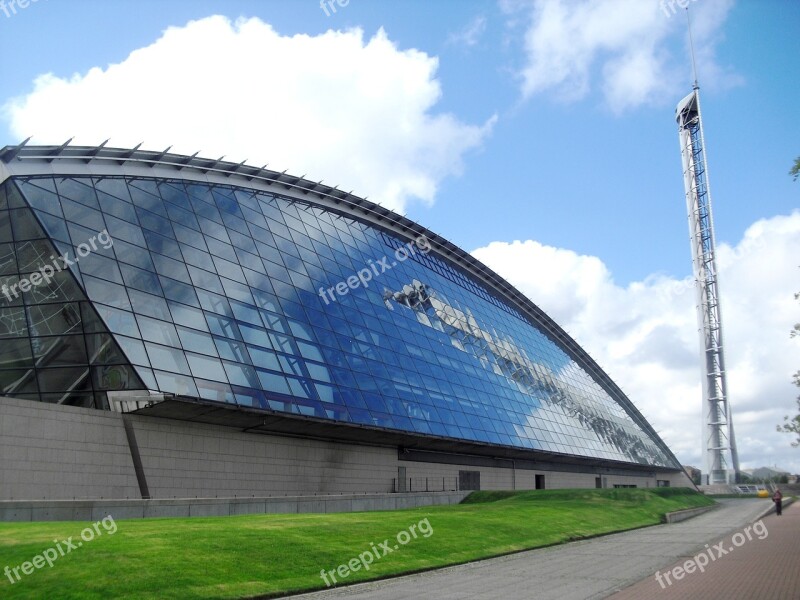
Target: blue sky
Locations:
point(548, 123)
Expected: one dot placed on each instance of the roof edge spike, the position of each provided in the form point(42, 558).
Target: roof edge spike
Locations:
point(12, 152)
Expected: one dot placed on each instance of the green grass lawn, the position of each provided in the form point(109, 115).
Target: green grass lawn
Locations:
point(246, 556)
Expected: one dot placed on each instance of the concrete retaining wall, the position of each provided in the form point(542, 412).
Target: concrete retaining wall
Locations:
point(52, 452)
point(681, 515)
point(94, 510)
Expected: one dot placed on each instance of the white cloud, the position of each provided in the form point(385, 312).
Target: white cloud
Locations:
point(469, 35)
point(623, 47)
point(354, 113)
point(645, 335)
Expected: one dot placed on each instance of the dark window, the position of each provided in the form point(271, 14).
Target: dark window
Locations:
point(469, 480)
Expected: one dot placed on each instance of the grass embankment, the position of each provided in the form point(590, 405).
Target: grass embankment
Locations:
point(236, 557)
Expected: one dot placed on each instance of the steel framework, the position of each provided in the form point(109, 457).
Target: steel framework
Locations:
point(719, 444)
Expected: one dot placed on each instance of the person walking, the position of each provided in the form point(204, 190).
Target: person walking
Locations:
point(777, 498)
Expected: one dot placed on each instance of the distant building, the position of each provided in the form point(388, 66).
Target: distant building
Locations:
point(764, 473)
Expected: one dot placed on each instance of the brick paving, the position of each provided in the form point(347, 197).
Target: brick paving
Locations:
point(759, 569)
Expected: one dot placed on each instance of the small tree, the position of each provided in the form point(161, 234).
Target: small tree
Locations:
point(795, 171)
point(793, 425)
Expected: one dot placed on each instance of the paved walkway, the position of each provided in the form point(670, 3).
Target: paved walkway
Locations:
point(759, 569)
point(600, 567)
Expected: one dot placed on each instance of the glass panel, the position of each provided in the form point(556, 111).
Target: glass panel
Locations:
point(83, 215)
point(221, 250)
point(242, 312)
point(134, 350)
point(180, 292)
point(59, 351)
point(153, 222)
point(254, 335)
point(264, 358)
point(54, 319)
point(181, 219)
point(59, 288)
point(223, 327)
point(237, 291)
point(272, 382)
point(145, 196)
point(231, 350)
point(169, 359)
point(197, 258)
point(188, 316)
point(215, 391)
point(78, 190)
point(117, 208)
point(148, 378)
point(147, 304)
point(10, 294)
point(197, 341)
point(101, 267)
point(5, 227)
point(15, 353)
point(12, 322)
point(140, 280)
point(206, 367)
point(107, 293)
point(242, 375)
point(24, 225)
point(14, 383)
point(176, 384)
point(161, 244)
point(102, 349)
point(122, 230)
point(116, 377)
point(158, 331)
point(39, 198)
point(214, 303)
point(114, 186)
point(8, 259)
point(249, 397)
point(205, 280)
point(171, 268)
point(33, 255)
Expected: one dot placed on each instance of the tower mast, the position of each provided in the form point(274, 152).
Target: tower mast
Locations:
point(721, 459)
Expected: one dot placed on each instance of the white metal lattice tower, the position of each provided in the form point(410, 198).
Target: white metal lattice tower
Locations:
point(719, 445)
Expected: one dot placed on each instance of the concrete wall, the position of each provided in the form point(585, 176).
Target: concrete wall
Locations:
point(94, 510)
point(506, 479)
point(50, 451)
point(186, 460)
point(60, 452)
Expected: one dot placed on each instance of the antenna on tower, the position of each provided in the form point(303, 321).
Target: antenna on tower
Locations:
point(691, 49)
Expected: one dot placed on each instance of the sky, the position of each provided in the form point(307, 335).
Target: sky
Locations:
point(538, 135)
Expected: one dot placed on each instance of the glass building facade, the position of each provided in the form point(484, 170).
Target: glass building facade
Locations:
point(234, 294)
